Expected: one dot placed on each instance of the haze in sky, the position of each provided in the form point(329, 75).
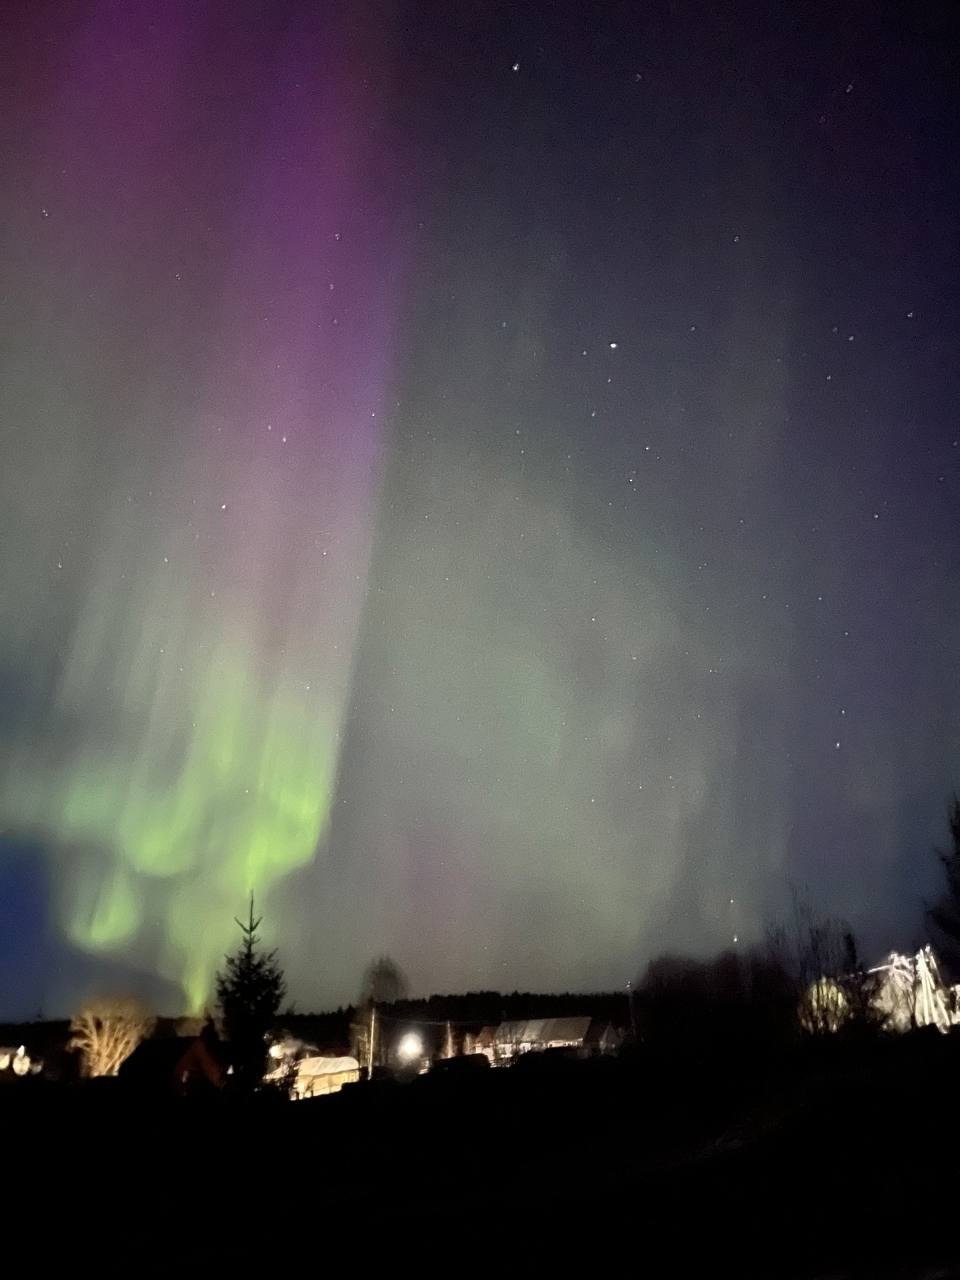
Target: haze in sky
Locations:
point(483, 477)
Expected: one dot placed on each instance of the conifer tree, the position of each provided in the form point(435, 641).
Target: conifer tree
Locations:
point(250, 990)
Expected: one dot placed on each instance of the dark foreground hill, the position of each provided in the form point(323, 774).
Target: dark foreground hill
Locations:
point(836, 1161)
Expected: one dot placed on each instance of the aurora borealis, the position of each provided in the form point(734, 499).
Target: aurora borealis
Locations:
point(203, 466)
point(484, 477)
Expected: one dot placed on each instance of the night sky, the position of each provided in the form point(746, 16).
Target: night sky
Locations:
point(484, 476)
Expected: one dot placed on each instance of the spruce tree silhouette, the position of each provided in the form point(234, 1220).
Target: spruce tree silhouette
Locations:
point(250, 990)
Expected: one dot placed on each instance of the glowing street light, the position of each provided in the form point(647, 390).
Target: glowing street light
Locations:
point(410, 1049)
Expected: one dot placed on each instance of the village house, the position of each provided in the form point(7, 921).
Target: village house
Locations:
point(317, 1076)
point(177, 1064)
point(584, 1036)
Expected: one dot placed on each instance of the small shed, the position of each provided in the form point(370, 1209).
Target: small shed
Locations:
point(319, 1076)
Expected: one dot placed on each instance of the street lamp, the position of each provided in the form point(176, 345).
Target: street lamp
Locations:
point(410, 1049)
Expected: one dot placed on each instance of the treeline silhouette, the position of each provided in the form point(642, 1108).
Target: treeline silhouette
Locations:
point(466, 1012)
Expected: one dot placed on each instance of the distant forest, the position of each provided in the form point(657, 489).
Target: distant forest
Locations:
point(470, 1011)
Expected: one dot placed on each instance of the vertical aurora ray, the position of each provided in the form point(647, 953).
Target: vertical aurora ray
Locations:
point(656, 567)
point(205, 263)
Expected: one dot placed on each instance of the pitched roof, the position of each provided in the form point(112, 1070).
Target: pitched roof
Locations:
point(319, 1066)
point(543, 1031)
point(155, 1060)
point(566, 1029)
point(156, 1055)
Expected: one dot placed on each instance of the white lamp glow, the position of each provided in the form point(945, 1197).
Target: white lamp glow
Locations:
point(410, 1048)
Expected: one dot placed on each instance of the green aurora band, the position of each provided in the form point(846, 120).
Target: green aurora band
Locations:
point(193, 484)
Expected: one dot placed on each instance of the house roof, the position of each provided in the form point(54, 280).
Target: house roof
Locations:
point(600, 1031)
point(543, 1031)
point(568, 1029)
point(326, 1066)
point(157, 1058)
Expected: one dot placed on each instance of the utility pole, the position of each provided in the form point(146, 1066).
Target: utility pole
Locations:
point(633, 1014)
point(373, 1034)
